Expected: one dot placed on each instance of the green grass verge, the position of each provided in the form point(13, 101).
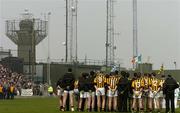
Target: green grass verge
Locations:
point(32, 105)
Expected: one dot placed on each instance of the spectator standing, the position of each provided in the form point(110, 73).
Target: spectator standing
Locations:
point(169, 87)
point(123, 92)
point(50, 90)
point(60, 93)
point(11, 91)
point(1, 91)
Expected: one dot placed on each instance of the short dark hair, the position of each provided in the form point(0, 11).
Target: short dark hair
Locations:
point(123, 73)
point(149, 75)
point(169, 76)
point(112, 73)
point(116, 72)
point(153, 73)
point(107, 75)
point(85, 75)
point(145, 74)
point(69, 70)
point(139, 74)
point(92, 72)
point(135, 74)
point(127, 74)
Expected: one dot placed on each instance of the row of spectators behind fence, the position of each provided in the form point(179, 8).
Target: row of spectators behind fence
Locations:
point(19, 81)
point(8, 78)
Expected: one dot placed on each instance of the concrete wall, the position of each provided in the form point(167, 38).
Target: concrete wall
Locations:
point(58, 70)
point(174, 73)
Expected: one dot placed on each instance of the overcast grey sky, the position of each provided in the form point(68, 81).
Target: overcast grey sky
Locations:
point(158, 29)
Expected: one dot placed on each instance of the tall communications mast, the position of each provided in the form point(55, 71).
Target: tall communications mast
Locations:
point(110, 47)
point(71, 31)
point(135, 35)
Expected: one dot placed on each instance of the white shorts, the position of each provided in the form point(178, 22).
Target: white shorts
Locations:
point(153, 94)
point(145, 93)
point(161, 94)
point(84, 94)
point(59, 92)
point(76, 91)
point(137, 94)
point(100, 91)
point(70, 92)
point(111, 93)
point(91, 94)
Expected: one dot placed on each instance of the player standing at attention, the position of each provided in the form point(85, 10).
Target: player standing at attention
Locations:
point(68, 86)
point(153, 94)
point(137, 86)
point(112, 93)
point(100, 82)
point(91, 98)
point(161, 96)
point(145, 96)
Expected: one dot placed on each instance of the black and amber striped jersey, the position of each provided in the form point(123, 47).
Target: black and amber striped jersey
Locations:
point(100, 80)
point(137, 84)
point(76, 83)
point(118, 77)
point(112, 82)
point(155, 83)
point(161, 82)
point(146, 81)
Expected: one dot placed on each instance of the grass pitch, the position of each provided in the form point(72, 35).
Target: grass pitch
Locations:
point(29, 105)
point(33, 105)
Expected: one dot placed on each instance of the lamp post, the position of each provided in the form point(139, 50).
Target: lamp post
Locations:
point(64, 45)
point(175, 65)
point(48, 59)
point(67, 24)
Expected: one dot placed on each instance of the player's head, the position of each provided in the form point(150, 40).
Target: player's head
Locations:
point(112, 73)
point(123, 73)
point(169, 76)
point(127, 74)
point(84, 75)
point(92, 73)
point(163, 76)
point(146, 75)
point(149, 75)
point(107, 75)
point(69, 69)
point(138, 75)
point(135, 75)
point(116, 72)
point(153, 74)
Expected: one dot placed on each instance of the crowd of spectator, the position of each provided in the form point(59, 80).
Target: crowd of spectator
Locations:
point(11, 83)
